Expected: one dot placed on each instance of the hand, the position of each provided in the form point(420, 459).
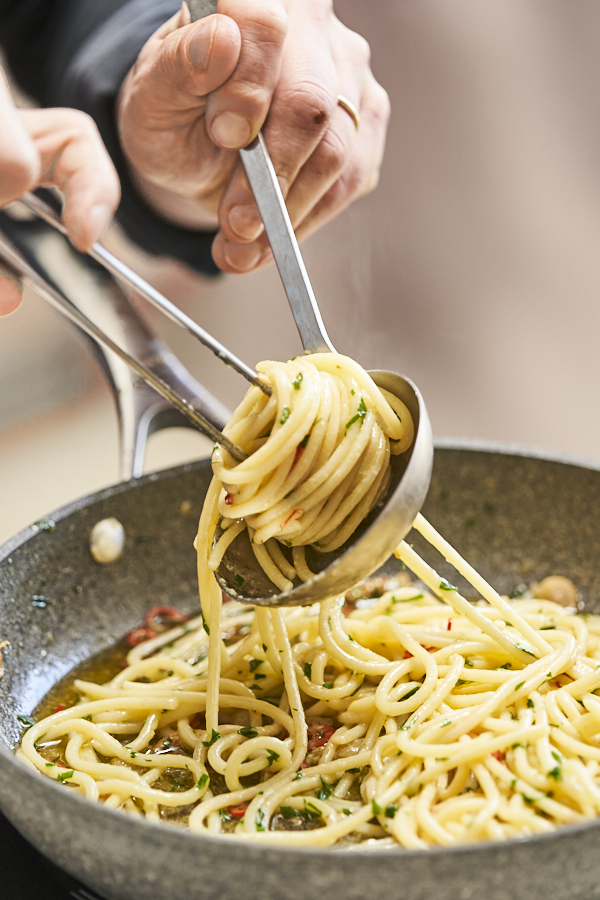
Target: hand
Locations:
point(59, 147)
point(198, 92)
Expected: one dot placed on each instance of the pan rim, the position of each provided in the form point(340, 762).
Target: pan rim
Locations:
point(443, 443)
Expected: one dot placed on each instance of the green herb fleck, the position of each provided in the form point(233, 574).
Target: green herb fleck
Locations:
point(284, 415)
point(518, 591)
point(328, 685)
point(347, 812)
point(354, 770)
point(307, 669)
point(133, 753)
point(325, 791)
point(557, 756)
point(555, 773)
point(50, 764)
point(360, 415)
point(238, 580)
point(520, 685)
point(391, 810)
point(214, 737)
point(255, 663)
point(260, 815)
point(411, 692)
point(298, 381)
point(64, 775)
point(376, 808)
point(446, 586)
point(205, 626)
point(273, 757)
point(27, 721)
point(248, 732)
point(530, 703)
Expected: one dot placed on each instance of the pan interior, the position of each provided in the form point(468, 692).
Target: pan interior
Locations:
point(516, 519)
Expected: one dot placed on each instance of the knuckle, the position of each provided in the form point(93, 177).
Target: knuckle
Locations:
point(269, 24)
point(309, 106)
point(361, 49)
point(332, 153)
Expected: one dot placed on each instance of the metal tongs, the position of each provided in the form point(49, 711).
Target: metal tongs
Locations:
point(239, 573)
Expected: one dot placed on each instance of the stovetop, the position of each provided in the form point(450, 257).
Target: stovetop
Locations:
point(27, 875)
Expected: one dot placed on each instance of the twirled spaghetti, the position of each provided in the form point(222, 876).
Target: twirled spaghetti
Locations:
point(319, 450)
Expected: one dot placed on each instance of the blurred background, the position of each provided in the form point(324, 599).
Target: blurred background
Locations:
point(474, 268)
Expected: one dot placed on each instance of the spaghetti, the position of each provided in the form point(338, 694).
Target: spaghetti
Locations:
point(414, 718)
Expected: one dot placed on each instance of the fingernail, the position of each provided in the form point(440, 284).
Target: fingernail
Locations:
point(244, 219)
point(241, 257)
point(201, 43)
point(231, 130)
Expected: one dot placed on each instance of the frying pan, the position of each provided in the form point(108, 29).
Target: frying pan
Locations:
point(516, 517)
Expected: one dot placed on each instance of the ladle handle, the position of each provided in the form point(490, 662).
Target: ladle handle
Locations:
point(271, 205)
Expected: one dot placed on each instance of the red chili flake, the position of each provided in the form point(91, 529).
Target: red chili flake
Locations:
point(139, 635)
point(198, 721)
point(407, 654)
point(239, 811)
point(296, 513)
point(318, 734)
point(306, 765)
point(59, 707)
point(167, 615)
point(497, 754)
point(558, 684)
point(449, 625)
point(228, 499)
point(61, 764)
point(297, 455)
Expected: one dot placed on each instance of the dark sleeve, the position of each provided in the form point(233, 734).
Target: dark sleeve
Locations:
point(76, 53)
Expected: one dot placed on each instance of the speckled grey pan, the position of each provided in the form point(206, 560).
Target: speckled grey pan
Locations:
point(515, 517)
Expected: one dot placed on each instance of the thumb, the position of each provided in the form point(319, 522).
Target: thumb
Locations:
point(186, 61)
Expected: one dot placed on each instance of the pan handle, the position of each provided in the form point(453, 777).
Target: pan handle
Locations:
point(141, 411)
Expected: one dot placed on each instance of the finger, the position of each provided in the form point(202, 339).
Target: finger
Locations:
point(75, 160)
point(359, 176)
point(162, 103)
point(10, 290)
point(302, 106)
point(344, 150)
point(182, 63)
point(236, 111)
point(19, 161)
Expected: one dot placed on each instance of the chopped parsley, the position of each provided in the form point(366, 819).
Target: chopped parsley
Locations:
point(260, 815)
point(238, 580)
point(325, 791)
point(530, 703)
point(248, 732)
point(555, 773)
point(27, 721)
point(376, 808)
point(520, 685)
point(446, 586)
point(391, 810)
point(133, 753)
point(298, 381)
point(328, 685)
point(213, 738)
point(64, 775)
point(205, 626)
point(347, 812)
point(359, 416)
point(255, 663)
point(273, 757)
point(411, 692)
point(284, 415)
point(202, 781)
point(307, 669)
point(304, 441)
